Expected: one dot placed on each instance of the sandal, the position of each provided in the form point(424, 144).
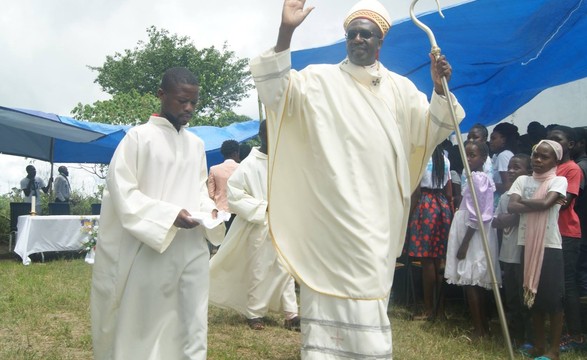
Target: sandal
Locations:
point(256, 323)
point(531, 352)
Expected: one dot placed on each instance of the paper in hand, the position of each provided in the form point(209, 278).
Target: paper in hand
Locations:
point(205, 218)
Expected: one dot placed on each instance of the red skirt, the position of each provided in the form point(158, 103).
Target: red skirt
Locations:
point(429, 225)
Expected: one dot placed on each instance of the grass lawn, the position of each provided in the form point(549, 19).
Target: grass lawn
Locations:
point(44, 314)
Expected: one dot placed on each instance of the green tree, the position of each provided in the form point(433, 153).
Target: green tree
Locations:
point(221, 119)
point(133, 78)
point(129, 108)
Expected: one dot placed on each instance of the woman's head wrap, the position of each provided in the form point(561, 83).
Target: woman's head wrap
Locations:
point(558, 149)
point(371, 10)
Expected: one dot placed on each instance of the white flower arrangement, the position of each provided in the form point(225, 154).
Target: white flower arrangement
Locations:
point(90, 227)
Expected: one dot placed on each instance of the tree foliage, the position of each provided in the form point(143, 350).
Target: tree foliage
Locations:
point(129, 108)
point(133, 78)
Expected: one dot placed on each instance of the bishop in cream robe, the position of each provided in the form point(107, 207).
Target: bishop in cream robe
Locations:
point(347, 146)
point(150, 280)
point(246, 274)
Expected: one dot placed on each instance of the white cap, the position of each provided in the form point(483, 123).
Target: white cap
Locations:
point(371, 10)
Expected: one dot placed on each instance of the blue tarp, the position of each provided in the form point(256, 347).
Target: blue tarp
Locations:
point(61, 139)
point(32, 133)
point(100, 151)
point(214, 137)
point(503, 52)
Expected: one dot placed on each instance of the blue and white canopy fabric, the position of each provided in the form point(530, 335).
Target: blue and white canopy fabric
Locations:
point(503, 52)
point(61, 139)
point(101, 150)
point(33, 133)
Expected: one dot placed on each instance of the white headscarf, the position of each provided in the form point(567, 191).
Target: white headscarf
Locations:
point(558, 149)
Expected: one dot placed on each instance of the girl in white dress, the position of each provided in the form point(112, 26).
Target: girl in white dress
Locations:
point(466, 263)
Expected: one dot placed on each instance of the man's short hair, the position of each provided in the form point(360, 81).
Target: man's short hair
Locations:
point(243, 151)
point(535, 127)
point(228, 148)
point(580, 134)
point(567, 130)
point(178, 75)
point(482, 128)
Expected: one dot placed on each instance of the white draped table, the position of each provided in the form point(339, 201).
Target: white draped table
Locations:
point(38, 234)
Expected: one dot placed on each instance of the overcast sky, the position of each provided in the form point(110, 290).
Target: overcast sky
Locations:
point(48, 44)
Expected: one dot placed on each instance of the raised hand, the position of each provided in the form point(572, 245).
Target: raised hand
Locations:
point(293, 13)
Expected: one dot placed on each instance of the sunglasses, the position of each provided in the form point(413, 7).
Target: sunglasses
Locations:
point(364, 34)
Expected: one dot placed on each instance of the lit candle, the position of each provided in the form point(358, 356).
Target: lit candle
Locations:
point(33, 200)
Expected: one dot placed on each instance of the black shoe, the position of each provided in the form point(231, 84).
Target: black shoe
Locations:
point(293, 324)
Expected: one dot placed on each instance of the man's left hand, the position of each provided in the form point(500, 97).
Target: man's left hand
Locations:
point(184, 220)
point(440, 68)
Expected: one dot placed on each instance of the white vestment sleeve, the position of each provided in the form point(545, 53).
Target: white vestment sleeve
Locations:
point(241, 200)
point(148, 220)
point(436, 127)
point(272, 71)
point(207, 204)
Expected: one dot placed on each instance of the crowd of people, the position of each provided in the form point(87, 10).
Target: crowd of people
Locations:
point(531, 196)
point(325, 200)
